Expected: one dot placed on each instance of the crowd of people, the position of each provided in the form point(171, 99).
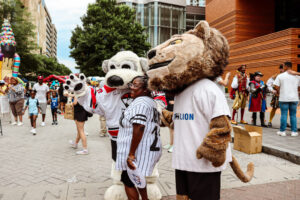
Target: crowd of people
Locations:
point(283, 88)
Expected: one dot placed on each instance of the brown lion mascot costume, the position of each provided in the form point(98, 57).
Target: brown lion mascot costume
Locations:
point(186, 66)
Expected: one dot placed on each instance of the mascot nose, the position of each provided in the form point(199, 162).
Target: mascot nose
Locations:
point(152, 54)
point(114, 81)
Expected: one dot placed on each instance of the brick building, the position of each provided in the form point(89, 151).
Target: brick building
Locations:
point(262, 33)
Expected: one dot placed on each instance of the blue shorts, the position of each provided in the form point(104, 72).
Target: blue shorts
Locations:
point(31, 114)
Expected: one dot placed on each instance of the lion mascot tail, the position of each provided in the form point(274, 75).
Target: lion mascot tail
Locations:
point(244, 177)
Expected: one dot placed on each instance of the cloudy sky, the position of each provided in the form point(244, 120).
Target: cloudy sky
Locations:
point(66, 15)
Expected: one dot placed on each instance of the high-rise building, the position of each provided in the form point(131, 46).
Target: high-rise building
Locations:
point(195, 11)
point(261, 33)
point(46, 34)
point(162, 18)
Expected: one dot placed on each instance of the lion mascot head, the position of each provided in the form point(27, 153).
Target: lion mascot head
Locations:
point(183, 59)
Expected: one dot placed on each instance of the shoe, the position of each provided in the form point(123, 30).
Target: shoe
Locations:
point(102, 134)
point(281, 133)
point(56, 123)
point(270, 124)
point(170, 149)
point(33, 131)
point(167, 146)
point(82, 152)
point(294, 134)
point(53, 123)
point(20, 123)
point(86, 133)
point(263, 125)
point(43, 124)
point(233, 122)
point(13, 123)
point(243, 122)
point(73, 144)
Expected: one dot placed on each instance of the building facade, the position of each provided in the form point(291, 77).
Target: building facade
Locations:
point(195, 11)
point(161, 18)
point(261, 33)
point(46, 35)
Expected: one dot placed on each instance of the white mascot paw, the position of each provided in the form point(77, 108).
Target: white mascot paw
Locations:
point(76, 86)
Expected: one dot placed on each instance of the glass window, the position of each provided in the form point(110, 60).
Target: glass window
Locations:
point(165, 16)
point(164, 34)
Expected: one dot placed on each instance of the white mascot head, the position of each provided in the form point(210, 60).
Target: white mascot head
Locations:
point(122, 68)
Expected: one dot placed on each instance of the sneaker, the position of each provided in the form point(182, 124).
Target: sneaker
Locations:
point(243, 122)
point(170, 149)
point(82, 152)
point(73, 144)
point(13, 123)
point(53, 123)
point(43, 124)
point(233, 122)
point(20, 123)
point(167, 146)
point(86, 133)
point(56, 123)
point(270, 124)
point(294, 134)
point(281, 133)
point(33, 131)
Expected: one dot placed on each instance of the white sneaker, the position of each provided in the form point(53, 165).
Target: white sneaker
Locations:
point(73, 144)
point(167, 146)
point(170, 149)
point(281, 133)
point(294, 134)
point(20, 123)
point(43, 124)
point(86, 133)
point(82, 152)
point(13, 123)
point(31, 131)
point(34, 131)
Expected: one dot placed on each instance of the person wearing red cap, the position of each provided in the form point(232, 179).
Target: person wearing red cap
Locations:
point(42, 91)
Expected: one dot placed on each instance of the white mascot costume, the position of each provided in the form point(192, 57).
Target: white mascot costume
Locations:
point(110, 101)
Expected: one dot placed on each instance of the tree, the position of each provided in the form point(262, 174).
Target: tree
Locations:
point(106, 29)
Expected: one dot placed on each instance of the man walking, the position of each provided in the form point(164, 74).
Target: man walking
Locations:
point(287, 86)
point(42, 91)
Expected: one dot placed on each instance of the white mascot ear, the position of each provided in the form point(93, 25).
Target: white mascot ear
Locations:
point(144, 64)
point(105, 66)
point(203, 29)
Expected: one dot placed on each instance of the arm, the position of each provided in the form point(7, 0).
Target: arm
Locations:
point(293, 72)
point(253, 89)
point(225, 81)
point(138, 131)
point(75, 101)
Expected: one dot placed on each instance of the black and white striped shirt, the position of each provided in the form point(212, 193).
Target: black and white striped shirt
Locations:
point(141, 111)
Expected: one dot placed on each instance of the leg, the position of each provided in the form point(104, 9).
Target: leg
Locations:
point(78, 134)
point(13, 110)
point(80, 128)
point(254, 116)
point(43, 117)
point(34, 121)
point(55, 116)
point(262, 119)
point(242, 114)
point(233, 114)
point(272, 114)
point(31, 120)
point(181, 185)
point(21, 118)
point(283, 118)
point(171, 136)
point(143, 193)
point(132, 193)
point(293, 117)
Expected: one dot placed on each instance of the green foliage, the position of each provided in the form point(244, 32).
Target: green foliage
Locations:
point(107, 28)
point(31, 64)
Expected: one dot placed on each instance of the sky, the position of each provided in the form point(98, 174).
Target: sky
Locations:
point(66, 15)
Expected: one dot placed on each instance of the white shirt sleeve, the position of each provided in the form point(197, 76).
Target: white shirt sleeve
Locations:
point(277, 81)
point(270, 83)
point(139, 114)
point(248, 84)
point(234, 83)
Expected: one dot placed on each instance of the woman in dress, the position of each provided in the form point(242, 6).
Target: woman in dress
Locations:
point(138, 143)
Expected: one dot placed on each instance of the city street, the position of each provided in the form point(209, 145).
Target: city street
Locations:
point(46, 167)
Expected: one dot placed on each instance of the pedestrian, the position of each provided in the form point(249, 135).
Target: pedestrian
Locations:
point(257, 101)
point(287, 87)
point(138, 142)
point(54, 105)
point(42, 92)
point(4, 103)
point(222, 83)
point(15, 91)
point(33, 109)
point(80, 117)
point(275, 96)
point(240, 85)
point(62, 99)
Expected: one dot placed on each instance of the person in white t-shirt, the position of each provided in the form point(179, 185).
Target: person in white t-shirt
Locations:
point(222, 83)
point(42, 91)
point(287, 86)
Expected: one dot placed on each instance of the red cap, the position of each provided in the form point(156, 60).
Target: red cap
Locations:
point(40, 77)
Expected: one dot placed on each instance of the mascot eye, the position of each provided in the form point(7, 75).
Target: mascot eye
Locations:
point(112, 67)
point(175, 42)
point(125, 66)
point(68, 82)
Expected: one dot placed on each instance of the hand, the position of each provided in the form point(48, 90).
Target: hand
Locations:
point(228, 74)
point(130, 160)
point(274, 92)
point(76, 86)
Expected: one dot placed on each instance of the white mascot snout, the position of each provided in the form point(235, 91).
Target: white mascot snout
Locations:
point(110, 101)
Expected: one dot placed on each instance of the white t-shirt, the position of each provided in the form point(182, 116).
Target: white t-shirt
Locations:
point(288, 87)
point(141, 111)
point(194, 108)
point(41, 92)
point(218, 79)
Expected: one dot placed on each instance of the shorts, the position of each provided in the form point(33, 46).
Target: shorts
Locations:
point(43, 107)
point(53, 110)
point(80, 114)
point(63, 99)
point(198, 185)
point(126, 180)
point(32, 114)
point(239, 101)
point(17, 107)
